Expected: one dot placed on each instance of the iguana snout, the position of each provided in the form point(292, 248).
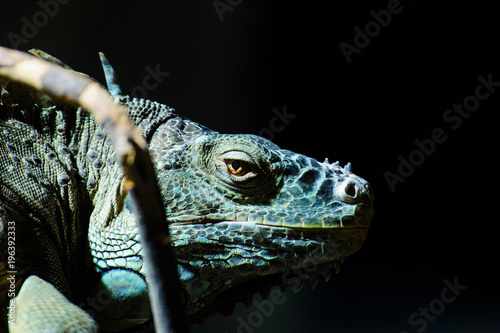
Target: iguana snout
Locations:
point(354, 189)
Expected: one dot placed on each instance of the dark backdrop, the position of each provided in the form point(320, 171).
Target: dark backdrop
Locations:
point(439, 224)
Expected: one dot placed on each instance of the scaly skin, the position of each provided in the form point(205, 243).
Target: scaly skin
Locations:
point(239, 208)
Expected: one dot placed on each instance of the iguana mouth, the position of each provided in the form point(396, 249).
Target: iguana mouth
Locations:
point(345, 216)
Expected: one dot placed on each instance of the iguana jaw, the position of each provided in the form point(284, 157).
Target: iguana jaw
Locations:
point(346, 216)
point(264, 249)
point(347, 223)
point(216, 256)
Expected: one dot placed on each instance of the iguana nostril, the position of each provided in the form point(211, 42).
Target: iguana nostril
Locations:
point(354, 190)
point(350, 190)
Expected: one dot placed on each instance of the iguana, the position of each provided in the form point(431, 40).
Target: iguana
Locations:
point(241, 212)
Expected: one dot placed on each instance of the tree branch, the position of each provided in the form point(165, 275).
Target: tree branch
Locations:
point(78, 90)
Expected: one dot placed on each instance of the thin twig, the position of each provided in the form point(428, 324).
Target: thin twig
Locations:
point(69, 87)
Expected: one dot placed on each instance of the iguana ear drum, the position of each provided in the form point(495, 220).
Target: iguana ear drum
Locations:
point(122, 298)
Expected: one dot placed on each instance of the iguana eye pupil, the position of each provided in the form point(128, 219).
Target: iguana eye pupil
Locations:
point(237, 167)
point(236, 164)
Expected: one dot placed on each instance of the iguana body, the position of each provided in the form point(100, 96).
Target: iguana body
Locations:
point(240, 210)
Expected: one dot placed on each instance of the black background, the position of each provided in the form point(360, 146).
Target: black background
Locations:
point(440, 223)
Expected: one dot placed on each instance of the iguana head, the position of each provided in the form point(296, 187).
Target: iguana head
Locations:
point(239, 208)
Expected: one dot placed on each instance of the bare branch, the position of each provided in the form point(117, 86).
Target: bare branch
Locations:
point(69, 87)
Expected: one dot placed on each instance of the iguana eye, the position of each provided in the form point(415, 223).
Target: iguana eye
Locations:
point(238, 167)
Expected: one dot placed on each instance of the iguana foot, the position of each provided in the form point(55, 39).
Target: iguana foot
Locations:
point(40, 307)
